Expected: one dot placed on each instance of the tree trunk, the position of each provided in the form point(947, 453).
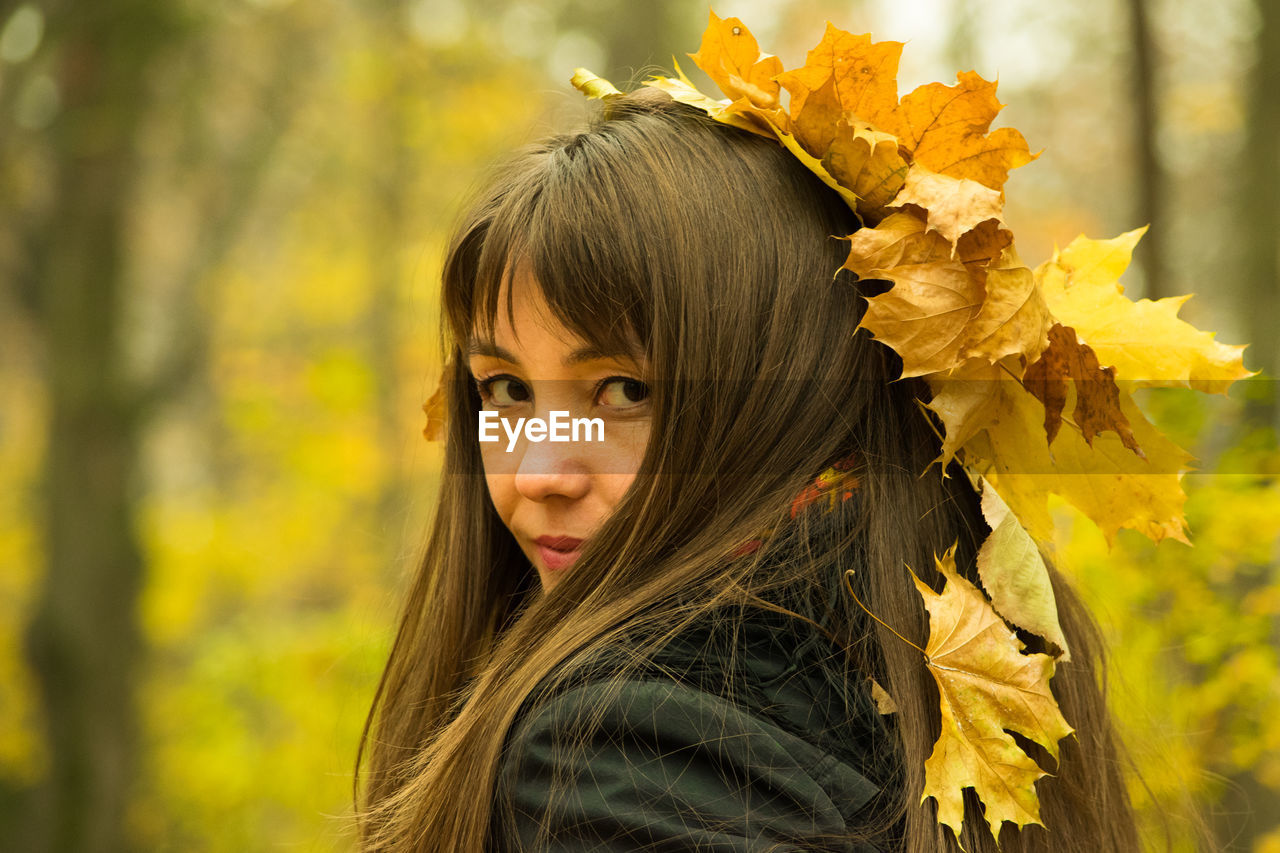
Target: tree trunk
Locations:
point(387, 235)
point(1259, 207)
point(83, 641)
point(1150, 189)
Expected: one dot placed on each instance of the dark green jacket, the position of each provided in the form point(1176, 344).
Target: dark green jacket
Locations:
point(725, 741)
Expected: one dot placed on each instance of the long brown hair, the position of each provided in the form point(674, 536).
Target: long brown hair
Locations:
point(715, 250)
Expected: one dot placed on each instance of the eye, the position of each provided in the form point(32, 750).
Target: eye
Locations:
point(621, 392)
point(503, 390)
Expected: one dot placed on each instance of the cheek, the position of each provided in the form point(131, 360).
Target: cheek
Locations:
point(501, 484)
point(625, 458)
point(611, 488)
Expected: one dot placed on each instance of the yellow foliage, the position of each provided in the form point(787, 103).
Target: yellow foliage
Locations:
point(1196, 672)
point(22, 757)
point(731, 57)
point(962, 311)
point(1110, 484)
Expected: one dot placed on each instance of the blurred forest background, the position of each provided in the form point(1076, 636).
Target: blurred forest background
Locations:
point(220, 228)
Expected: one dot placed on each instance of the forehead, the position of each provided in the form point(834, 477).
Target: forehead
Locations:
point(521, 309)
point(526, 324)
point(556, 226)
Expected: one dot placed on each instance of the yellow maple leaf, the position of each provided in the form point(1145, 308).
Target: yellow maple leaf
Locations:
point(743, 114)
point(1145, 341)
point(680, 89)
point(818, 167)
point(1106, 481)
point(1003, 419)
point(987, 688)
point(593, 85)
point(966, 400)
point(995, 426)
point(948, 304)
point(943, 128)
point(1014, 573)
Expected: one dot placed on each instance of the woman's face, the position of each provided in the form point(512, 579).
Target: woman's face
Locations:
point(553, 495)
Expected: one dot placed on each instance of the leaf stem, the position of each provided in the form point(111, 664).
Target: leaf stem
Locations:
point(849, 587)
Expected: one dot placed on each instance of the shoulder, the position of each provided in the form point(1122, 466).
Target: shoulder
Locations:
point(639, 763)
point(656, 762)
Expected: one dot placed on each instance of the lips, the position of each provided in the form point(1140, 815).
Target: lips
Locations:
point(558, 552)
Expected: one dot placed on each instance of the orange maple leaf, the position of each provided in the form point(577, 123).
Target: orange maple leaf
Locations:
point(845, 75)
point(731, 57)
point(867, 162)
point(943, 128)
point(436, 410)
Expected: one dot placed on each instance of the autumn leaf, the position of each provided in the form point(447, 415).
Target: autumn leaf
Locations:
point(995, 427)
point(1106, 481)
point(944, 309)
point(1144, 341)
point(818, 167)
point(845, 122)
point(868, 163)
point(1003, 430)
point(684, 92)
point(1013, 319)
point(952, 206)
point(966, 400)
point(1067, 361)
point(985, 242)
point(731, 57)
point(987, 688)
point(1014, 573)
point(741, 114)
point(845, 76)
point(592, 85)
point(436, 411)
point(884, 702)
point(944, 128)
point(927, 312)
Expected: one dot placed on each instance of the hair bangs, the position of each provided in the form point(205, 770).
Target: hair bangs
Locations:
point(566, 222)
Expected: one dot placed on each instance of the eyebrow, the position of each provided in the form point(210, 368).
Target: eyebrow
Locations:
point(578, 356)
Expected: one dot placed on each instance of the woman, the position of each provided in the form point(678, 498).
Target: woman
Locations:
point(646, 642)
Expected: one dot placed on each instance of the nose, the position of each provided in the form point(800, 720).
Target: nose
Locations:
point(549, 470)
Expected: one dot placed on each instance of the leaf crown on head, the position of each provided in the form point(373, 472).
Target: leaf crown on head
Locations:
point(1022, 365)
